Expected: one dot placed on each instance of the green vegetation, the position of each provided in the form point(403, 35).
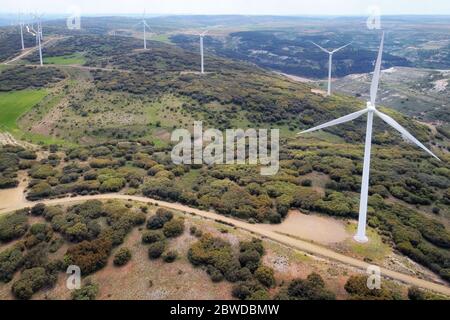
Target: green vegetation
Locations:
point(251, 278)
point(87, 292)
point(311, 288)
point(122, 257)
point(15, 104)
point(357, 287)
point(72, 59)
point(13, 226)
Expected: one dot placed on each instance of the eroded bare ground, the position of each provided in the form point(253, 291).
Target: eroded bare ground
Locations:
point(7, 139)
point(320, 229)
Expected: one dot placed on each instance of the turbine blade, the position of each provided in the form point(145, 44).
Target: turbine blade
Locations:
point(324, 50)
point(403, 131)
point(344, 119)
point(377, 74)
point(343, 47)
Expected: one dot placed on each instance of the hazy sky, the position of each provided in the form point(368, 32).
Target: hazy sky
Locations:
point(266, 7)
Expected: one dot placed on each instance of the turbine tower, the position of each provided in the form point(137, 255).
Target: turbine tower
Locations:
point(37, 34)
point(371, 110)
point(21, 31)
point(330, 61)
point(145, 26)
point(202, 36)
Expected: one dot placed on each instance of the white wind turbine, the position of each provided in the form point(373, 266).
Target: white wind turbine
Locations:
point(21, 24)
point(37, 34)
point(330, 61)
point(202, 36)
point(145, 26)
point(371, 110)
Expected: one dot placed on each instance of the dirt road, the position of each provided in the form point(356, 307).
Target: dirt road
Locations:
point(257, 230)
point(28, 51)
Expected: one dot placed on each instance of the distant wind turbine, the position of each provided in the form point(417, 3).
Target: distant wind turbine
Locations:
point(330, 61)
point(371, 110)
point(21, 24)
point(145, 26)
point(202, 36)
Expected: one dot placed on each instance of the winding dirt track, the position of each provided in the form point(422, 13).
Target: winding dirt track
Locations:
point(257, 230)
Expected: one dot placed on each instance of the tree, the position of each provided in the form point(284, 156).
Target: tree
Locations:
point(265, 275)
point(31, 281)
point(122, 257)
point(90, 256)
point(88, 292)
point(170, 256)
point(174, 228)
point(152, 236)
point(156, 249)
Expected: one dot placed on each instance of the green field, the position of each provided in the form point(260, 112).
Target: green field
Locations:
point(72, 59)
point(14, 104)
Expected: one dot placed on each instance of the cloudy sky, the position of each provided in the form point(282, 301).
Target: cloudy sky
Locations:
point(265, 7)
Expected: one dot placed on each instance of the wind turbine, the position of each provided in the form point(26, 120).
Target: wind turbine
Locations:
point(371, 110)
point(21, 24)
point(330, 61)
point(202, 36)
point(37, 34)
point(145, 26)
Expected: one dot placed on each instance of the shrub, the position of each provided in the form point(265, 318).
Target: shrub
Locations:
point(211, 251)
point(244, 290)
point(174, 228)
point(31, 281)
point(88, 292)
point(90, 256)
point(77, 232)
point(313, 288)
point(356, 286)
point(112, 185)
point(38, 210)
point(265, 276)
point(170, 256)
point(10, 262)
point(122, 257)
point(416, 294)
point(8, 183)
point(250, 259)
point(155, 223)
point(40, 191)
point(156, 249)
point(13, 226)
point(152, 236)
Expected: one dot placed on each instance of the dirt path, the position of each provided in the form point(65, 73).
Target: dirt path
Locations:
point(257, 230)
point(28, 51)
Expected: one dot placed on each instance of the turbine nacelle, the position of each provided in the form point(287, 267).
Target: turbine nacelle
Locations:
point(370, 106)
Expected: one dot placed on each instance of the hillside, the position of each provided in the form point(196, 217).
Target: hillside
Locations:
point(106, 118)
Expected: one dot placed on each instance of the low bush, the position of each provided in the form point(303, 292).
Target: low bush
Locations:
point(174, 228)
point(156, 249)
point(122, 257)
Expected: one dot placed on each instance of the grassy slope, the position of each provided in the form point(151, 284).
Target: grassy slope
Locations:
point(14, 104)
point(72, 59)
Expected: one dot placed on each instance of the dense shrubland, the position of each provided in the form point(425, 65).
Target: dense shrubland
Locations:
point(13, 159)
point(91, 230)
point(240, 191)
point(24, 77)
point(251, 278)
